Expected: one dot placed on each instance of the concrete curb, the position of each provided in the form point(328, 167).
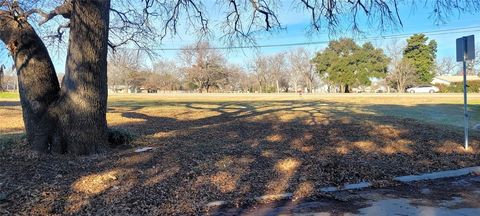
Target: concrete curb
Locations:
point(355, 186)
point(274, 197)
point(438, 175)
point(363, 185)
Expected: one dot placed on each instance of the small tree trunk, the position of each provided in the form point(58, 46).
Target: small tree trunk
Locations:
point(1, 78)
point(278, 86)
point(401, 88)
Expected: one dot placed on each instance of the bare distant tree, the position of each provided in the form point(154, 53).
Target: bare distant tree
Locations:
point(259, 66)
point(301, 69)
point(248, 82)
point(165, 75)
point(278, 70)
point(295, 70)
point(204, 66)
point(394, 51)
point(309, 77)
point(235, 79)
point(402, 75)
point(473, 65)
point(10, 81)
point(446, 66)
point(124, 70)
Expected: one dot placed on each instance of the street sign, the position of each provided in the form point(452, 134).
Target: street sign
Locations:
point(466, 48)
point(465, 51)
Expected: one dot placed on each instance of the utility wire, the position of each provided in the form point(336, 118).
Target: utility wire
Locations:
point(435, 32)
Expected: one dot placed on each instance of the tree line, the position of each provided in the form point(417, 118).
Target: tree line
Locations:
point(342, 66)
point(203, 69)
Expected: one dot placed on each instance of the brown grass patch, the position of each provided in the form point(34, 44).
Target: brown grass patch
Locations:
point(288, 165)
point(95, 183)
point(224, 181)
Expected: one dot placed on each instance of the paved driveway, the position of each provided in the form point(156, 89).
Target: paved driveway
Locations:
point(456, 196)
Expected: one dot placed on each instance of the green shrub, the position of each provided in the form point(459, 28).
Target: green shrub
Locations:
point(457, 87)
point(442, 88)
point(119, 137)
point(9, 140)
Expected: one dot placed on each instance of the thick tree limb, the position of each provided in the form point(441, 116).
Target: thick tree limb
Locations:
point(65, 10)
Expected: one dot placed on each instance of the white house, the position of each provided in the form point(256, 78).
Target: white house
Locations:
point(446, 80)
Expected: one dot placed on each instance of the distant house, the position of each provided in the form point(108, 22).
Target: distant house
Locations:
point(377, 85)
point(117, 89)
point(447, 80)
point(130, 89)
point(124, 89)
point(151, 90)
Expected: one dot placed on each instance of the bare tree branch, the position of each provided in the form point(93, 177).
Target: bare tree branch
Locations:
point(270, 17)
point(142, 23)
point(60, 32)
point(65, 10)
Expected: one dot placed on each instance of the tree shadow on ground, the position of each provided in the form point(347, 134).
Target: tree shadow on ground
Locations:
point(233, 151)
point(9, 103)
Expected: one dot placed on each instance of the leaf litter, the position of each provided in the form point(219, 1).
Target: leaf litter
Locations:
point(228, 158)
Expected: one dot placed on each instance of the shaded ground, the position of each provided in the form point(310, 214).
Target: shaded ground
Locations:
point(456, 196)
point(228, 150)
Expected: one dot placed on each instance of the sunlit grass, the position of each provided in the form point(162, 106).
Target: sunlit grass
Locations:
point(443, 109)
point(432, 108)
point(9, 95)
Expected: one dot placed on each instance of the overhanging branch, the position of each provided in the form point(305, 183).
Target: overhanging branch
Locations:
point(64, 10)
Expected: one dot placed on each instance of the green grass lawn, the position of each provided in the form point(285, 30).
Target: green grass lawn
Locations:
point(9, 95)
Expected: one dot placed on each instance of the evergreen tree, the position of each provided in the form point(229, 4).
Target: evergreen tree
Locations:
point(347, 64)
point(422, 55)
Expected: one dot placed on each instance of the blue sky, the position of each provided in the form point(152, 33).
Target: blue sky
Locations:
point(295, 21)
point(415, 20)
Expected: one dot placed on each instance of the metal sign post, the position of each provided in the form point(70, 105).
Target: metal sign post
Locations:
point(465, 51)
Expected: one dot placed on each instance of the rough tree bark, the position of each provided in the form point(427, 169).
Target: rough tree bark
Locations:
point(84, 89)
point(71, 119)
point(37, 81)
point(1, 77)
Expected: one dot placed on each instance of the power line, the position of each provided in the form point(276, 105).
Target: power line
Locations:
point(434, 32)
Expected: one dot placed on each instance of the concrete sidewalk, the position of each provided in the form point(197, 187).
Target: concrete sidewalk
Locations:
point(454, 196)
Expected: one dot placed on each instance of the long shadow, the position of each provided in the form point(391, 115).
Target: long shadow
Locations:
point(247, 150)
point(9, 103)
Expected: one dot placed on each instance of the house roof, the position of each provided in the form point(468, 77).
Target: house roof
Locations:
point(457, 78)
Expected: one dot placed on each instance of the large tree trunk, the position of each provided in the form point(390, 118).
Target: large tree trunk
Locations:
point(71, 119)
point(84, 89)
point(37, 81)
